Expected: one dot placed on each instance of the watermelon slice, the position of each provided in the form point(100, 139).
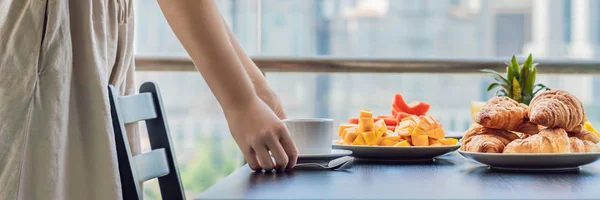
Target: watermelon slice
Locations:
point(402, 115)
point(386, 116)
point(396, 108)
point(415, 108)
point(399, 103)
point(391, 128)
point(390, 121)
point(419, 108)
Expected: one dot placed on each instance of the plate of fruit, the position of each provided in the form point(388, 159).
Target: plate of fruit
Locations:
point(526, 129)
point(409, 135)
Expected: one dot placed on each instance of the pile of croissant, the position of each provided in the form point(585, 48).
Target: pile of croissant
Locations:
point(553, 123)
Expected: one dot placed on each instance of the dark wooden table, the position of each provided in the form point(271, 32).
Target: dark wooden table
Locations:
point(449, 177)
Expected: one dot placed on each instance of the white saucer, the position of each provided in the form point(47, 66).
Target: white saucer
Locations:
point(335, 153)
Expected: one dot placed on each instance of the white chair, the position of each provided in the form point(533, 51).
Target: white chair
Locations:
point(160, 162)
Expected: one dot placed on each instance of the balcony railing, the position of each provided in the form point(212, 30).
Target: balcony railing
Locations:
point(380, 65)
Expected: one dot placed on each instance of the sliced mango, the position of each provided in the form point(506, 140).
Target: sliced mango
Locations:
point(439, 133)
point(420, 140)
point(387, 142)
point(418, 131)
point(380, 128)
point(369, 137)
point(378, 142)
point(407, 138)
point(388, 132)
point(394, 137)
point(413, 118)
point(365, 113)
point(431, 134)
point(359, 140)
point(405, 128)
point(343, 127)
point(430, 120)
point(351, 136)
point(402, 144)
point(431, 140)
point(436, 144)
point(365, 124)
point(405, 132)
point(406, 124)
point(422, 124)
point(448, 141)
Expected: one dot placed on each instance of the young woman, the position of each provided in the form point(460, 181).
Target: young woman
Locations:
point(57, 58)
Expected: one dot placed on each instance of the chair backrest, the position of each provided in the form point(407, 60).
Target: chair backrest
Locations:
point(160, 162)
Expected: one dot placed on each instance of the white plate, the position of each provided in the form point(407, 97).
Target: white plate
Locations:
point(335, 153)
point(396, 153)
point(533, 161)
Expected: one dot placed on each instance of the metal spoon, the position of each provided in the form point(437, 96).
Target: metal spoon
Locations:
point(336, 164)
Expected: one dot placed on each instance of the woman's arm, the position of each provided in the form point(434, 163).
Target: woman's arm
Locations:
point(257, 130)
point(264, 92)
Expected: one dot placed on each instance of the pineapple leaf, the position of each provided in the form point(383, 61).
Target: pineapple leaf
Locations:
point(497, 76)
point(492, 86)
point(529, 61)
point(509, 76)
point(527, 99)
point(536, 91)
point(509, 73)
point(528, 87)
point(516, 90)
point(515, 66)
point(501, 92)
point(525, 70)
point(541, 87)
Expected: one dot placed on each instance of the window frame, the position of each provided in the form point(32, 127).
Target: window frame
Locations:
point(380, 65)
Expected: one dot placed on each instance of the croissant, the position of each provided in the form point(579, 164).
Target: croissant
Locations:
point(591, 147)
point(546, 141)
point(585, 135)
point(577, 145)
point(557, 109)
point(486, 140)
point(580, 146)
point(528, 128)
point(523, 135)
point(502, 113)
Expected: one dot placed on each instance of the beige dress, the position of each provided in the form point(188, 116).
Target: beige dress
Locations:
point(56, 59)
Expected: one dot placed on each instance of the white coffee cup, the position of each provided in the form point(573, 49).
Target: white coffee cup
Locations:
point(311, 135)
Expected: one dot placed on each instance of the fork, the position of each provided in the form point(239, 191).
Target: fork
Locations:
point(336, 164)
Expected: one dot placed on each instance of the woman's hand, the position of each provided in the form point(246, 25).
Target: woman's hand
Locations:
point(267, 95)
point(257, 130)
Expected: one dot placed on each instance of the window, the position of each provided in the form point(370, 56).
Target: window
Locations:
point(422, 29)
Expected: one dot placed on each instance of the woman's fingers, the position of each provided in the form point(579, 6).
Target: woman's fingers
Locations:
point(263, 157)
point(250, 156)
point(281, 158)
point(290, 148)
